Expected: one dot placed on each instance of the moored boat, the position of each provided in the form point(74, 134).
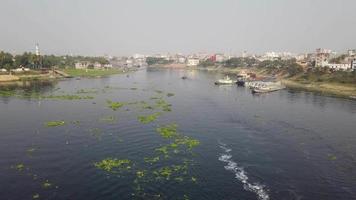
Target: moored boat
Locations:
point(224, 81)
point(267, 87)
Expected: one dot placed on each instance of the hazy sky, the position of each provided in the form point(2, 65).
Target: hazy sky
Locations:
point(124, 27)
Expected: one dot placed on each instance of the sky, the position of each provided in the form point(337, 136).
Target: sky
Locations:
point(125, 27)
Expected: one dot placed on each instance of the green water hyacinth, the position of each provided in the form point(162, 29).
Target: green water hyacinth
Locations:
point(47, 184)
point(160, 103)
point(149, 118)
point(55, 123)
point(152, 160)
point(110, 164)
point(115, 105)
point(189, 142)
point(170, 94)
point(168, 131)
point(36, 196)
point(66, 97)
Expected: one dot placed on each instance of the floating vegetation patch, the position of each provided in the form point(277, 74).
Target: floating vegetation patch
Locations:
point(170, 94)
point(161, 103)
point(133, 88)
point(66, 97)
point(108, 119)
point(149, 118)
point(46, 184)
point(146, 106)
point(19, 167)
point(115, 105)
point(54, 123)
point(113, 165)
point(87, 91)
point(168, 131)
point(151, 160)
point(159, 91)
point(147, 173)
point(155, 98)
point(332, 157)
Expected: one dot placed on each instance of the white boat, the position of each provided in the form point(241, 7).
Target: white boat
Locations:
point(224, 81)
point(267, 87)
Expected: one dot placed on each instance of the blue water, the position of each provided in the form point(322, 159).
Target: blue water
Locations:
point(282, 145)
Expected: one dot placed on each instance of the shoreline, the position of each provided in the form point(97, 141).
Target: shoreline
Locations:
point(339, 90)
point(70, 73)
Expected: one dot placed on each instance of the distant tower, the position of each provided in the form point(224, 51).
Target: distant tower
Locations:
point(38, 60)
point(37, 50)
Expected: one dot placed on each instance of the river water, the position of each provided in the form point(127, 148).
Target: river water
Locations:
point(282, 145)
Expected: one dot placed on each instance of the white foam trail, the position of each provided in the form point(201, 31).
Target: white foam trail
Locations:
point(241, 174)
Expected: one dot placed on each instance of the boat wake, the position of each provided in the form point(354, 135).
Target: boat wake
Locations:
point(241, 174)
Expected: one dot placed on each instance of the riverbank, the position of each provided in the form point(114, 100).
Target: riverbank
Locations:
point(325, 88)
point(36, 75)
point(93, 73)
point(7, 78)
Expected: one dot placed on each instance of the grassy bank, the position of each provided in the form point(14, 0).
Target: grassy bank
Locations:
point(6, 78)
point(329, 89)
point(92, 72)
point(330, 84)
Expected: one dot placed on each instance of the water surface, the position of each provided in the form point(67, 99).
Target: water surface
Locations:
point(282, 145)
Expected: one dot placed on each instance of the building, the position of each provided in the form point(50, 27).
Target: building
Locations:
point(181, 60)
point(192, 62)
point(351, 52)
point(108, 66)
point(80, 65)
point(339, 67)
point(97, 65)
point(321, 57)
point(353, 64)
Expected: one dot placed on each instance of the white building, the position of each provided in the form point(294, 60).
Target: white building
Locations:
point(108, 66)
point(192, 62)
point(353, 64)
point(80, 65)
point(343, 67)
point(351, 52)
point(97, 65)
point(181, 60)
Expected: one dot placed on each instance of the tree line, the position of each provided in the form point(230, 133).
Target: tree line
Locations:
point(32, 61)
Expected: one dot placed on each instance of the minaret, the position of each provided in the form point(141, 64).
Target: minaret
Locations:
point(37, 50)
point(38, 61)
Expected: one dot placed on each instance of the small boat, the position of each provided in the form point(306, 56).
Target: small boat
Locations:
point(224, 81)
point(184, 77)
point(267, 87)
point(240, 81)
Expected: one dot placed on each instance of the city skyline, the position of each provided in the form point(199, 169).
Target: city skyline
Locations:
point(128, 27)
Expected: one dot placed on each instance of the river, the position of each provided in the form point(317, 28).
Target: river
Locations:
point(282, 145)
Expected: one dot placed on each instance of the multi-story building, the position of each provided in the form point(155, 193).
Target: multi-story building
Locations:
point(192, 62)
point(321, 57)
point(342, 67)
point(353, 64)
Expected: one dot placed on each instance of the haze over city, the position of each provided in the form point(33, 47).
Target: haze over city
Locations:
point(88, 27)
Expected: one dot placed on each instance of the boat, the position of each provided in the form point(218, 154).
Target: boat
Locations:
point(184, 77)
point(267, 87)
point(224, 81)
point(240, 81)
